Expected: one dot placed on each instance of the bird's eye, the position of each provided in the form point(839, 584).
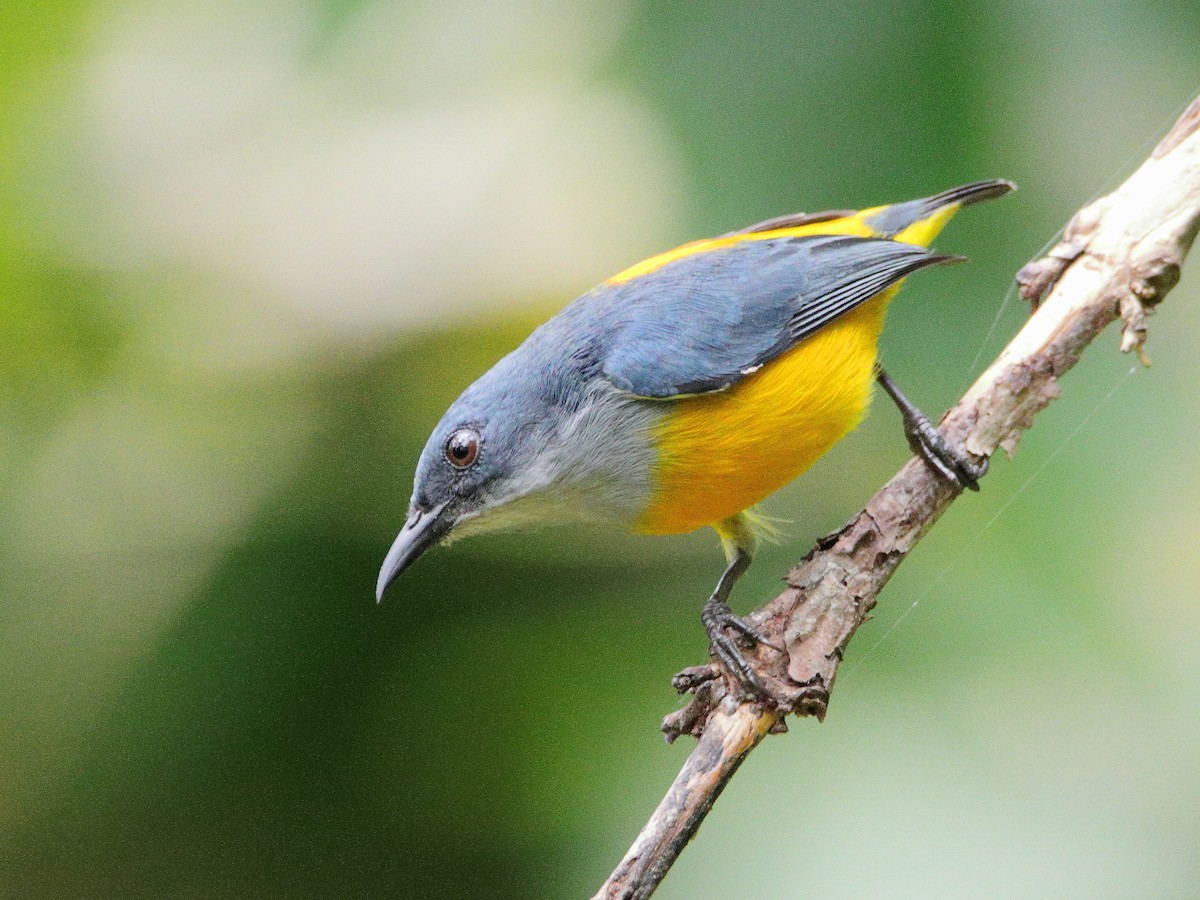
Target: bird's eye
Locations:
point(463, 448)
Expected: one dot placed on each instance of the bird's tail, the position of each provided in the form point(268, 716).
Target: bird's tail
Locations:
point(966, 194)
point(919, 221)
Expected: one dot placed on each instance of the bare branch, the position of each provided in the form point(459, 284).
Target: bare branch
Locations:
point(1118, 258)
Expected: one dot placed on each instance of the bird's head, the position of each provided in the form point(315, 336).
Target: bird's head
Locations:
point(490, 450)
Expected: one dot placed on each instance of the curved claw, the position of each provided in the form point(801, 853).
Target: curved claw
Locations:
point(970, 471)
point(719, 621)
point(742, 627)
point(731, 659)
point(948, 461)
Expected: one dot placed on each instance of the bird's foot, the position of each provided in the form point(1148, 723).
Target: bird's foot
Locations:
point(949, 461)
point(952, 463)
point(725, 632)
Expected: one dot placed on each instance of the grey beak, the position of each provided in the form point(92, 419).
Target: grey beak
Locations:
point(420, 532)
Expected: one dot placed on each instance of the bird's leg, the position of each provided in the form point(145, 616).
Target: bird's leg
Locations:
point(720, 623)
point(927, 442)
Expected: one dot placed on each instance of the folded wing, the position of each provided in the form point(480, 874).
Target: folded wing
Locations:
point(702, 323)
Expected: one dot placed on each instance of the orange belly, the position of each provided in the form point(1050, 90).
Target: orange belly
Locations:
point(721, 453)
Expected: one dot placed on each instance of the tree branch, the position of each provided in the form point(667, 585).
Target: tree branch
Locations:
point(1118, 258)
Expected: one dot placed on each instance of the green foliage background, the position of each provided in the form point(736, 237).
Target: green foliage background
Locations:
point(248, 253)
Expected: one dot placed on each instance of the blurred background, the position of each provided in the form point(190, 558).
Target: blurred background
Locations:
point(251, 250)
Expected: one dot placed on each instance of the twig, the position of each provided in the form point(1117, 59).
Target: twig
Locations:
point(1118, 258)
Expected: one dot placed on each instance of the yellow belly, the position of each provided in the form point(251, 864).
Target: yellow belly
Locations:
point(721, 453)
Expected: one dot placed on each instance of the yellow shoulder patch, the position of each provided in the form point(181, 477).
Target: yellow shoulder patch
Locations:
point(850, 225)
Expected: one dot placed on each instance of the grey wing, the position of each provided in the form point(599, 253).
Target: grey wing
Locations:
point(702, 323)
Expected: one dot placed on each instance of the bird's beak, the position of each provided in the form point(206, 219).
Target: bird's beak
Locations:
point(421, 531)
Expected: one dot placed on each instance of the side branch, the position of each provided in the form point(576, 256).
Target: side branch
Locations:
point(1118, 258)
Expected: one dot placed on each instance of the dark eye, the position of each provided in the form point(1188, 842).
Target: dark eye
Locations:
point(463, 448)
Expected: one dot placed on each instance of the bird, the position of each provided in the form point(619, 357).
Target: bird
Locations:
point(686, 389)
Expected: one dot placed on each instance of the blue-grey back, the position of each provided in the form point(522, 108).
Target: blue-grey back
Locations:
point(701, 323)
